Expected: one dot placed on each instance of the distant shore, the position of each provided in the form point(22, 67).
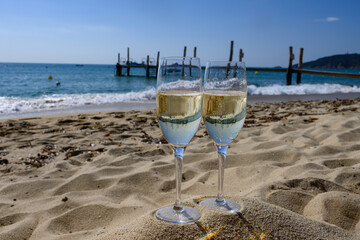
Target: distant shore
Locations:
point(143, 105)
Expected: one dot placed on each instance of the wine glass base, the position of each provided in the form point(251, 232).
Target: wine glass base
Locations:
point(186, 215)
point(227, 205)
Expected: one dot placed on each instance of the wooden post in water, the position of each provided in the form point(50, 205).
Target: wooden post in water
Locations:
point(241, 55)
point(231, 51)
point(194, 57)
point(289, 70)
point(298, 76)
point(147, 66)
point(157, 63)
point(118, 67)
point(183, 67)
point(230, 57)
point(190, 67)
point(128, 61)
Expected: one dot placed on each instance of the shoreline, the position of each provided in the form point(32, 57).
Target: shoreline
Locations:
point(93, 108)
point(309, 97)
point(145, 105)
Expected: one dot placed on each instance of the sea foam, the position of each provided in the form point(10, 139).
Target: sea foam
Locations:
point(302, 89)
point(59, 101)
point(10, 105)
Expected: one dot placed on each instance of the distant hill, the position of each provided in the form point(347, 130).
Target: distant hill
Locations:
point(344, 61)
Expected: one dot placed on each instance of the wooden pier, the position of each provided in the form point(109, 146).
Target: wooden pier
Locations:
point(147, 65)
point(127, 64)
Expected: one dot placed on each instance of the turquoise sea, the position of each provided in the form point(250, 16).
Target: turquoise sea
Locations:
point(26, 87)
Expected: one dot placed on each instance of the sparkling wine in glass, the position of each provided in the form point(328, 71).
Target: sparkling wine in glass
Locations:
point(179, 109)
point(224, 110)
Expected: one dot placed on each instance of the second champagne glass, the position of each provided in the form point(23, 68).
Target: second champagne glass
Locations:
point(224, 110)
point(178, 108)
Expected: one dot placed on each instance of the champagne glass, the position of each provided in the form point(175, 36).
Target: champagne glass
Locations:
point(179, 108)
point(224, 110)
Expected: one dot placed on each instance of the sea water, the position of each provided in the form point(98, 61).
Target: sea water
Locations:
point(26, 87)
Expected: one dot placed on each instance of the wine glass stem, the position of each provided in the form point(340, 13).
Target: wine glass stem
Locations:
point(222, 158)
point(179, 154)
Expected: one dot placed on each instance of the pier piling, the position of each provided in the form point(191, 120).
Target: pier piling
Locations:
point(147, 66)
point(128, 61)
point(289, 70)
point(298, 76)
point(241, 55)
point(118, 67)
point(231, 51)
point(157, 63)
point(183, 67)
point(230, 57)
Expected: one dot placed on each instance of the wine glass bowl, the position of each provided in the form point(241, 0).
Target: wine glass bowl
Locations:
point(179, 112)
point(224, 110)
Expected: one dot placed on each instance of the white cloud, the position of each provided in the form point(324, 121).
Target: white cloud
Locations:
point(332, 19)
point(328, 19)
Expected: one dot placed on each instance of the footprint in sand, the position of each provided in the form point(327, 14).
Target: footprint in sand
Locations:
point(338, 163)
point(339, 208)
point(295, 194)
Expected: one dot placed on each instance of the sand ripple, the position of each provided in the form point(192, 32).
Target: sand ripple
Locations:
point(295, 167)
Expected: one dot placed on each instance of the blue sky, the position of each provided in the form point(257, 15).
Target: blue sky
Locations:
point(78, 31)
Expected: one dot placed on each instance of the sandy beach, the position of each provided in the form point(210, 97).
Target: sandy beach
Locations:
point(295, 169)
